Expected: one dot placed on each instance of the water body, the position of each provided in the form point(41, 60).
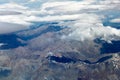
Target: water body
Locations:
point(107, 21)
point(113, 47)
point(69, 60)
point(115, 25)
point(5, 72)
point(10, 41)
point(61, 59)
point(104, 59)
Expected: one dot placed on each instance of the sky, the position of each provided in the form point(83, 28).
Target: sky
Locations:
point(84, 17)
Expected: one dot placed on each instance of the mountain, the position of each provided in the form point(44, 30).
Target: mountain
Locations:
point(59, 40)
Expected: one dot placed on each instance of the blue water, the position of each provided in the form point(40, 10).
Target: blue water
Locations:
point(10, 40)
point(98, 61)
point(104, 59)
point(69, 60)
point(61, 59)
point(5, 73)
point(113, 47)
point(115, 25)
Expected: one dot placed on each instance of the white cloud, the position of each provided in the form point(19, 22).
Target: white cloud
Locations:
point(116, 20)
point(86, 24)
point(90, 27)
point(12, 6)
point(53, 18)
point(3, 12)
point(10, 27)
point(32, 0)
point(66, 7)
point(12, 18)
point(69, 7)
point(1, 44)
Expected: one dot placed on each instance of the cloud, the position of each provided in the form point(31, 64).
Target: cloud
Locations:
point(65, 7)
point(17, 19)
point(10, 13)
point(12, 18)
point(70, 7)
point(32, 0)
point(116, 20)
point(84, 18)
point(88, 18)
point(10, 27)
point(90, 27)
point(1, 44)
point(12, 6)
point(12, 22)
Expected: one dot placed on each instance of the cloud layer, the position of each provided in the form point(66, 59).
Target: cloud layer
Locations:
point(84, 18)
point(116, 20)
point(87, 18)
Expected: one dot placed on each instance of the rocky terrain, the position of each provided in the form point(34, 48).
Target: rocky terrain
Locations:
point(43, 55)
